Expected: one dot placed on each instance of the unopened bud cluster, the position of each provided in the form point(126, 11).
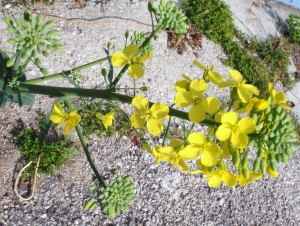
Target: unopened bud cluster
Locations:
point(32, 38)
point(138, 39)
point(277, 134)
point(117, 196)
point(170, 16)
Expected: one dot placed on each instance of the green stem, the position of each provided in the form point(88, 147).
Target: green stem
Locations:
point(95, 93)
point(167, 130)
point(59, 75)
point(117, 79)
point(85, 148)
point(134, 84)
point(186, 136)
point(230, 105)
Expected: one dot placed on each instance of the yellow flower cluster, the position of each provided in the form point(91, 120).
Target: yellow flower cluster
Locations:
point(229, 139)
point(230, 136)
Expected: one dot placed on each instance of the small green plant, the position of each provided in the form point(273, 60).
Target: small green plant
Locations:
point(294, 23)
point(212, 17)
point(52, 155)
point(93, 125)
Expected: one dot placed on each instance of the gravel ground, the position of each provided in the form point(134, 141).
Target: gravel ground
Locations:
point(164, 195)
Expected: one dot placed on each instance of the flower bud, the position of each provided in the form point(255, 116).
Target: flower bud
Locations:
point(144, 88)
point(9, 63)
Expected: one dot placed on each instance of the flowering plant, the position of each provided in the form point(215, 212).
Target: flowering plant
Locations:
point(221, 154)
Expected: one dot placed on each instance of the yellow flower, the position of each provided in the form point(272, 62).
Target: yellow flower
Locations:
point(252, 176)
point(175, 154)
point(254, 103)
point(245, 91)
point(108, 119)
point(153, 116)
point(236, 130)
point(182, 84)
point(212, 76)
point(58, 116)
point(194, 97)
point(130, 56)
point(279, 97)
point(210, 151)
point(220, 175)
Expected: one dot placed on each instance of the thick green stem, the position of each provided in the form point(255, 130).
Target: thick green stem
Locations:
point(85, 148)
point(95, 93)
point(59, 75)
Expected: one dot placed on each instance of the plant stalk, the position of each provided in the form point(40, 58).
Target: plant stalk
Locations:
point(95, 93)
point(85, 148)
point(59, 75)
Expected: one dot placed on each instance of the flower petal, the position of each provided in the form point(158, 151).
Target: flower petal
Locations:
point(230, 118)
point(135, 71)
point(58, 115)
point(199, 65)
point(183, 99)
point(222, 85)
point(155, 126)
point(239, 139)
point(236, 76)
point(143, 58)
point(285, 106)
point(196, 113)
point(189, 152)
point(73, 120)
point(159, 110)
point(214, 181)
point(119, 59)
point(246, 125)
point(147, 148)
point(214, 77)
point(210, 154)
point(196, 138)
point(223, 132)
point(271, 172)
point(108, 118)
point(213, 150)
point(177, 145)
point(181, 85)
point(270, 88)
point(244, 95)
point(280, 98)
point(187, 78)
point(131, 50)
point(210, 104)
point(229, 178)
point(198, 87)
point(140, 104)
point(136, 120)
point(182, 166)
